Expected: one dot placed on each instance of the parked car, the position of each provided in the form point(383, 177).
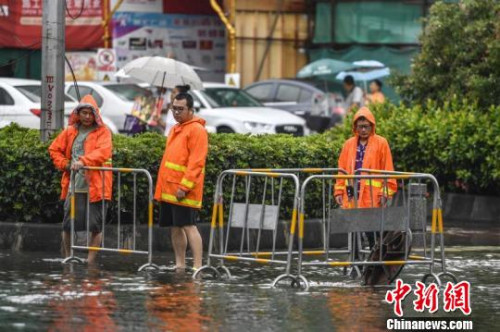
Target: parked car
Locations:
point(20, 102)
point(309, 99)
point(114, 99)
point(231, 110)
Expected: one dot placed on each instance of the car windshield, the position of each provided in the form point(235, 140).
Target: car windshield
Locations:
point(128, 92)
point(34, 93)
point(229, 97)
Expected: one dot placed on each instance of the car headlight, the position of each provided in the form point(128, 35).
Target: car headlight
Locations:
point(257, 126)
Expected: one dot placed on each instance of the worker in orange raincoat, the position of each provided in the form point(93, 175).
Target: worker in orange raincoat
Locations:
point(179, 187)
point(365, 149)
point(85, 142)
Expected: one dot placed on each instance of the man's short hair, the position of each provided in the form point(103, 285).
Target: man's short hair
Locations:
point(378, 83)
point(183, 88)
point(349, 80)
point(187, 97)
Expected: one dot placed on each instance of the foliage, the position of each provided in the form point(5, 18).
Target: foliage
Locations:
point(30, 186)
point(458, 142)
point(460, 55)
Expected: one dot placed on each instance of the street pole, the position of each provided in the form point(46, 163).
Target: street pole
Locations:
point(53, 46)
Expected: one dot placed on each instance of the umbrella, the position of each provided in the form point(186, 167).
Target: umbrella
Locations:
point(369, 64)
point(364, 75)
point(324, 68)
point(160, 71)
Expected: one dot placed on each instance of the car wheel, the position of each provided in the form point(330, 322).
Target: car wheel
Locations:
point(224, 130)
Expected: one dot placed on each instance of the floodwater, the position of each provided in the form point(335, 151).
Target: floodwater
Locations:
point(37, 292)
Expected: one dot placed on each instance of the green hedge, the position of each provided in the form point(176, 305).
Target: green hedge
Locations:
point(30, 186)
point(456, 142)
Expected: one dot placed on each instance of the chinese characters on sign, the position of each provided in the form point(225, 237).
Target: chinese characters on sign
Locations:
point(455, 296)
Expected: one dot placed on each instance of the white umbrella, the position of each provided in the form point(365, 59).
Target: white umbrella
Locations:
point(369, 64)
point(364, 75)
point(160, 71)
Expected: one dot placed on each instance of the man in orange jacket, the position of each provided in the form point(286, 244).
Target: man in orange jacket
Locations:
point(179, 187)
point(86, 142)
point(365, 149)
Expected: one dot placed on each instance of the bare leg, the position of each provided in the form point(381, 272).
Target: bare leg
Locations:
point(66, 244)
point(179, 242)
point(94, 242)
point(195, 243)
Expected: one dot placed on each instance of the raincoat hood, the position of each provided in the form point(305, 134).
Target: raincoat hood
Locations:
point(195, 119)
point(368, 115)
point(87, 102)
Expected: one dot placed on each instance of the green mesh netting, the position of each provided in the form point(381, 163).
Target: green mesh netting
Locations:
point(377, 22)
point(28, 63)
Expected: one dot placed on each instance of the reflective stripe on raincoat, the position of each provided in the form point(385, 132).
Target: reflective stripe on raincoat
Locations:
point(377, 156)
point(183, 164)
point(97, 152)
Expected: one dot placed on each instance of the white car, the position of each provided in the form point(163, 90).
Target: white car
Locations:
point(115, 100)
point(20, 102)
point(231, 110)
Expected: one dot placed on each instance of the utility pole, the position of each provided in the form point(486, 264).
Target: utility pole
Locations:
point(53, 46)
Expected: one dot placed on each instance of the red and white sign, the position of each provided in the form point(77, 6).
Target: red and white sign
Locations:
point(106, 64)
point(21, 24)
point(106, 59)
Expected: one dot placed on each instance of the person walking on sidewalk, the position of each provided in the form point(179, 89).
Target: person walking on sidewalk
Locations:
point(179, 187)
point(85, 142)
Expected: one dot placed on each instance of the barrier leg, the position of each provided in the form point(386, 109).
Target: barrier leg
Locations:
point(149, 266)
point(213, 225)
point(72, 257)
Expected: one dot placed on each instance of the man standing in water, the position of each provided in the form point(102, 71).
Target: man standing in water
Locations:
point(368, 150)
point(86, 142)
point(179, 187)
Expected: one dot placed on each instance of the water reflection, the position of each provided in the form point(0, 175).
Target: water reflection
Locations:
point(88, 303)
point(356, 309)
point(37, 293)
point(175, 307)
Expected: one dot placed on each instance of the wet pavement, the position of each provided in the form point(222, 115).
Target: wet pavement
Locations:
point(37, 292)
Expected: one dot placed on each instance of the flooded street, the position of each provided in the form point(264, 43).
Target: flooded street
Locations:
point(38, 292)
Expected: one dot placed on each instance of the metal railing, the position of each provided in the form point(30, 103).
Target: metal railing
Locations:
point(120, 247)
point(377, 218)
point(259, 215)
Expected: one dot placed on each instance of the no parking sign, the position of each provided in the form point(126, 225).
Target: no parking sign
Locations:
point(106, 63)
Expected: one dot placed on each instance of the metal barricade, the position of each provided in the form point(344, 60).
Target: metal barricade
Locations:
point(123, 248)
point(404, 213)
point(251, 214)
point(259, 216)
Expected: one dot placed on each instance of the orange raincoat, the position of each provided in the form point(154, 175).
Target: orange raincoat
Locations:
point(97, 152)
point(183, 164)
point(377, 156)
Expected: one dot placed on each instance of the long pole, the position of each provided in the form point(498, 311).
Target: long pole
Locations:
point(53, 45)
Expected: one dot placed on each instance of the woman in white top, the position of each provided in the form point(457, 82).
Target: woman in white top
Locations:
point(167, 121)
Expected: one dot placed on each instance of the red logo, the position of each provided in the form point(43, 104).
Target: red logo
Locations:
point(397, 296)
point(457, 297)
point(426, 297)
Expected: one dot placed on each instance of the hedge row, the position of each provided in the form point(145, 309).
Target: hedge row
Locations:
point(30, 186)
point(457, 143)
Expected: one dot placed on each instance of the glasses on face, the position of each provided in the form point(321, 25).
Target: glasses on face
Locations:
point(364, 127)
point(178, 109)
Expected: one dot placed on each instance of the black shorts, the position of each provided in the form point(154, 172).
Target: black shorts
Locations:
point(177, 215)
point(95, 215)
